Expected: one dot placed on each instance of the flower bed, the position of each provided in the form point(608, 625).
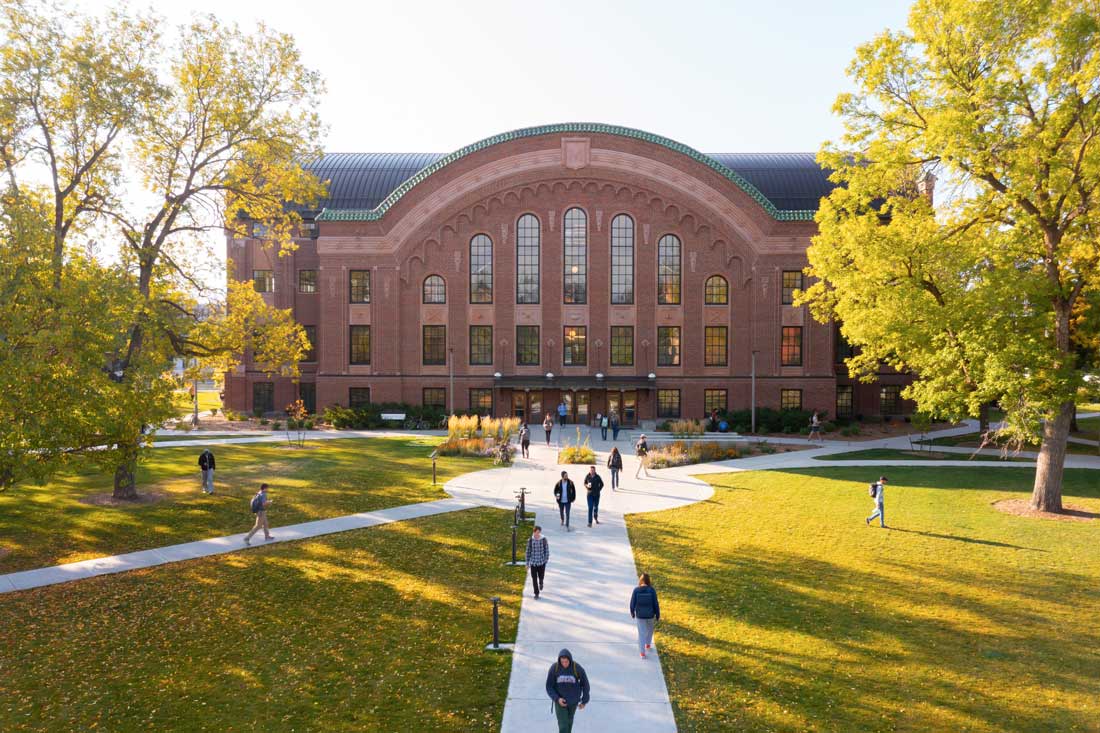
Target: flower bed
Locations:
point(681, 453)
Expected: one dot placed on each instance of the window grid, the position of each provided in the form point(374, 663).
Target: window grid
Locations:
point(263, 397)
point(622, 346)
point(668, 403)
point(311, 336)
point(622, 260)
point(715, 399)
point(263, 281)
point(716, 291)
point(359, 286)
point(575, 234)
point(527, 345)
point(668, 270)
point(791, 346)
point(307, 281)
point(576, 346)
point(481, 269)
point(716, 346)
point(668, 346)
point(435, 345)
point(481, 401)
point(844, 350)
point(435, 289)
point(792, 281)
point(481, 345)
point(358, 397)
point(527, 259)
point(434, 397)
point(359, 337)
point(890, 399)
point(844, 404)
point(790, 399)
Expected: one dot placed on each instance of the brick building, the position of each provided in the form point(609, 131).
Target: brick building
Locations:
point(599, 266)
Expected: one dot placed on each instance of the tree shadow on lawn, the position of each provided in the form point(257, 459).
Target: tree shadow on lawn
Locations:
point(1078, 482)
point(957, 538)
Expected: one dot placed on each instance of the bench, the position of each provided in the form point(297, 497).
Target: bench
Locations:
point(393, 416)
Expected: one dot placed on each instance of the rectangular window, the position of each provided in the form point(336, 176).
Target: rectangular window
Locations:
point(307, 393)
point(668, 346)
point(790, 399)
point(263, 397)
point(715, 399)
point(359, 286)
point(435, 345)
point(622, 346)
point(358, 397)
point(791, 347)
point(527, 345)
point(307, 281)
point(311, 336)
point(844, 400)
point(360, 344)
point(263, 281)
point(668, 403)
point(889, 398)
point(792, 281)
point(481, 401)
point(576, 346)
point(481, 345)
point(716, 349)
point(435, 397)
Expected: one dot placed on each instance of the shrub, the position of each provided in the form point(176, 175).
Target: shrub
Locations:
point(369, 416)
point(309, 425)
point(577, 452)
point(257, 412)
point(766, 448)
point(264, 421)
point(828, 427)
point(685, 428)
point(804, 430)
point(277, 425)
point(184, 425)
point(682, 453)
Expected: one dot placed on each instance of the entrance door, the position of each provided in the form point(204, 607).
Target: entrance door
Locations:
point(615, 404)
point(519, 405)
point(581, 406)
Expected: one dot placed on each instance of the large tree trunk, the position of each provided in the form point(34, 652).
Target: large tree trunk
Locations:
point(125, 484)
point(1073, 428)
point(983, 419)
point(1047, 492)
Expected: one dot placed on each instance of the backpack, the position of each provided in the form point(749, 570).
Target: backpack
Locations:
point(603, 421)
point(873, 490)
point(257, 504)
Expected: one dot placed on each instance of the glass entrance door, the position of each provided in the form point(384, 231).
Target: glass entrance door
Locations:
point(624, 404)
point(581, 405)
point(519, 405)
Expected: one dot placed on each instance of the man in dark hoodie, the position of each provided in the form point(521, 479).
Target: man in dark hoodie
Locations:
point(206, 463)
point(567, 686)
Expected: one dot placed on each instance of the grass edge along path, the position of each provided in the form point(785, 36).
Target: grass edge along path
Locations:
point(897, 454)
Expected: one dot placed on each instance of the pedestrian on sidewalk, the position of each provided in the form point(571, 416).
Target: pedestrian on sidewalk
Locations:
point(815, 428)
point(593, 484)
point(538, 554)
point(641, 449)
point(646, 611)
point(568, 688)
point(562, 412)
point(614, 425)
point(615, 463)
point(565, 493)
point(259, 505)
point(548, 426)
point(206, 464)
point(604, 422)
point(876, 494)
point(525, 441)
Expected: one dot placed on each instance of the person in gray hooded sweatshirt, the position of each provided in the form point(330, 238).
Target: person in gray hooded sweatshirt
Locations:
point(567, 686)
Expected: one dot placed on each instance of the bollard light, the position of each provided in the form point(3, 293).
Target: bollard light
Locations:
point(496, 622)
point(433, 457)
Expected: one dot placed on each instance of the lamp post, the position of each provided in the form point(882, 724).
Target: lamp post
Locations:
point(753, 397)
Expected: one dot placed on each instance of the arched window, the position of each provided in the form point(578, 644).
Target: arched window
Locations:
point(622, 260)
point(716, 291)
point(668, 270)
point(435, 290)
point(527, 259)
point(575, 232)
point(481, 269)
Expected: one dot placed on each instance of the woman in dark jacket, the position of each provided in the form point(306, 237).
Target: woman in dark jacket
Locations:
point(615, 463)
point(646, 611)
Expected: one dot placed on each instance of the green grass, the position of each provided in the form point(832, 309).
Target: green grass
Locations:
point(208, 399)
point(308, 636)
point(973, 440)
point(44, 525)
point(893, 454)
point(195, 436)
point(782, 612)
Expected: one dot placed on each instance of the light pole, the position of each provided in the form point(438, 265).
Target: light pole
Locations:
point(753, 397)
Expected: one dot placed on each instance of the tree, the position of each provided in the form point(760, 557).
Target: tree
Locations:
point(974, 292)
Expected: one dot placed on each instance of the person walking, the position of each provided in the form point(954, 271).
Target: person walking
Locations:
point(259, 505)
point(565, 493)
point(604, 422)
point(525, 441)
point(615, 464)
point(815, 428)
point(641, 449)
point(568, 688)
point(548, 426)
point(206, 464)
point(646, 611)
point(593, 485)
point(538, 554)
point(562, 412)
point(877, 489)
point(614, 425)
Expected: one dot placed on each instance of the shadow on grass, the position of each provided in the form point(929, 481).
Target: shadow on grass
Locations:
point(973, 540)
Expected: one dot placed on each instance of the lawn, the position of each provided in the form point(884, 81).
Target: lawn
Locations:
point(307, 636)
point(782, 612)
point(973, 440)
point(208, 399)
point(893, 454)
point(45, 525)
point(194, 436)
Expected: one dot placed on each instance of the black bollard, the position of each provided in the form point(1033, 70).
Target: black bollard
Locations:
point(514, 560)
point(496, 622)
point(523, 503)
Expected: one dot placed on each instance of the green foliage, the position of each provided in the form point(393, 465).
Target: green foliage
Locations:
point(369, 417)
point(768, 420)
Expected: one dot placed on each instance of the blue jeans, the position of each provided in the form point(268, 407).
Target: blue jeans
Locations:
point(593, 506)
point(880, 512)
point(614, 432)
point(603, 433)
point(614, 479)
point(561, 418)
point(563, 510)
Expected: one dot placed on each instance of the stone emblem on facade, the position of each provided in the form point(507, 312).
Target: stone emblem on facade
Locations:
point(575, 152)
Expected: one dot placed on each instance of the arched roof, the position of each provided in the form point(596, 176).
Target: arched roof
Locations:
point(362, 186)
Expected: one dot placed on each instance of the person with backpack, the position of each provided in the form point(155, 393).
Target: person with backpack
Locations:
point(568, 688)
point(815, 428)
point(548, 426)
point(615, 464)
point(565, 493)
point(646, 611)
point(525, 441)
point(593, 485)
point(206, 465)
point(604, 422)
point(538, 554)
point(614, 425)
point(641, 449)
point(259, 505)
point(876, 492)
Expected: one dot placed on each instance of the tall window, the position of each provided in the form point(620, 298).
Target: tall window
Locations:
point(311, 336)
point(307, 393)
point(716, 291)
point(889, 397)
point(668, 403)
point(527, 345)
point(358, 397)
point(844, 350)
point(668, 270)
point(481, 345)
point(791, 347)
point(715, 346)
point(792, 281)
point(435, 345)
point(790, 399)
point(435, 290)
point(575, 232)
point(622, 260)
point(576, 346)
point(360, 344)
point(307, 281)
point(263, 397)
point(263, 281)
point(715, 399)
point(844, 403)
point(481, 401)
point(481, 269)
point(359, 286)
point(527, 259)
point(622, 346)
point(435, 397)
point(668, 346)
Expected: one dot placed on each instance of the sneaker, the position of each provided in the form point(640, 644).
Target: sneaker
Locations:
point(868, 522)
point(642, 655)
point(648, 646)
point(597, 521)
point(590, 524)
point(268, 538)
point(247, 541)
